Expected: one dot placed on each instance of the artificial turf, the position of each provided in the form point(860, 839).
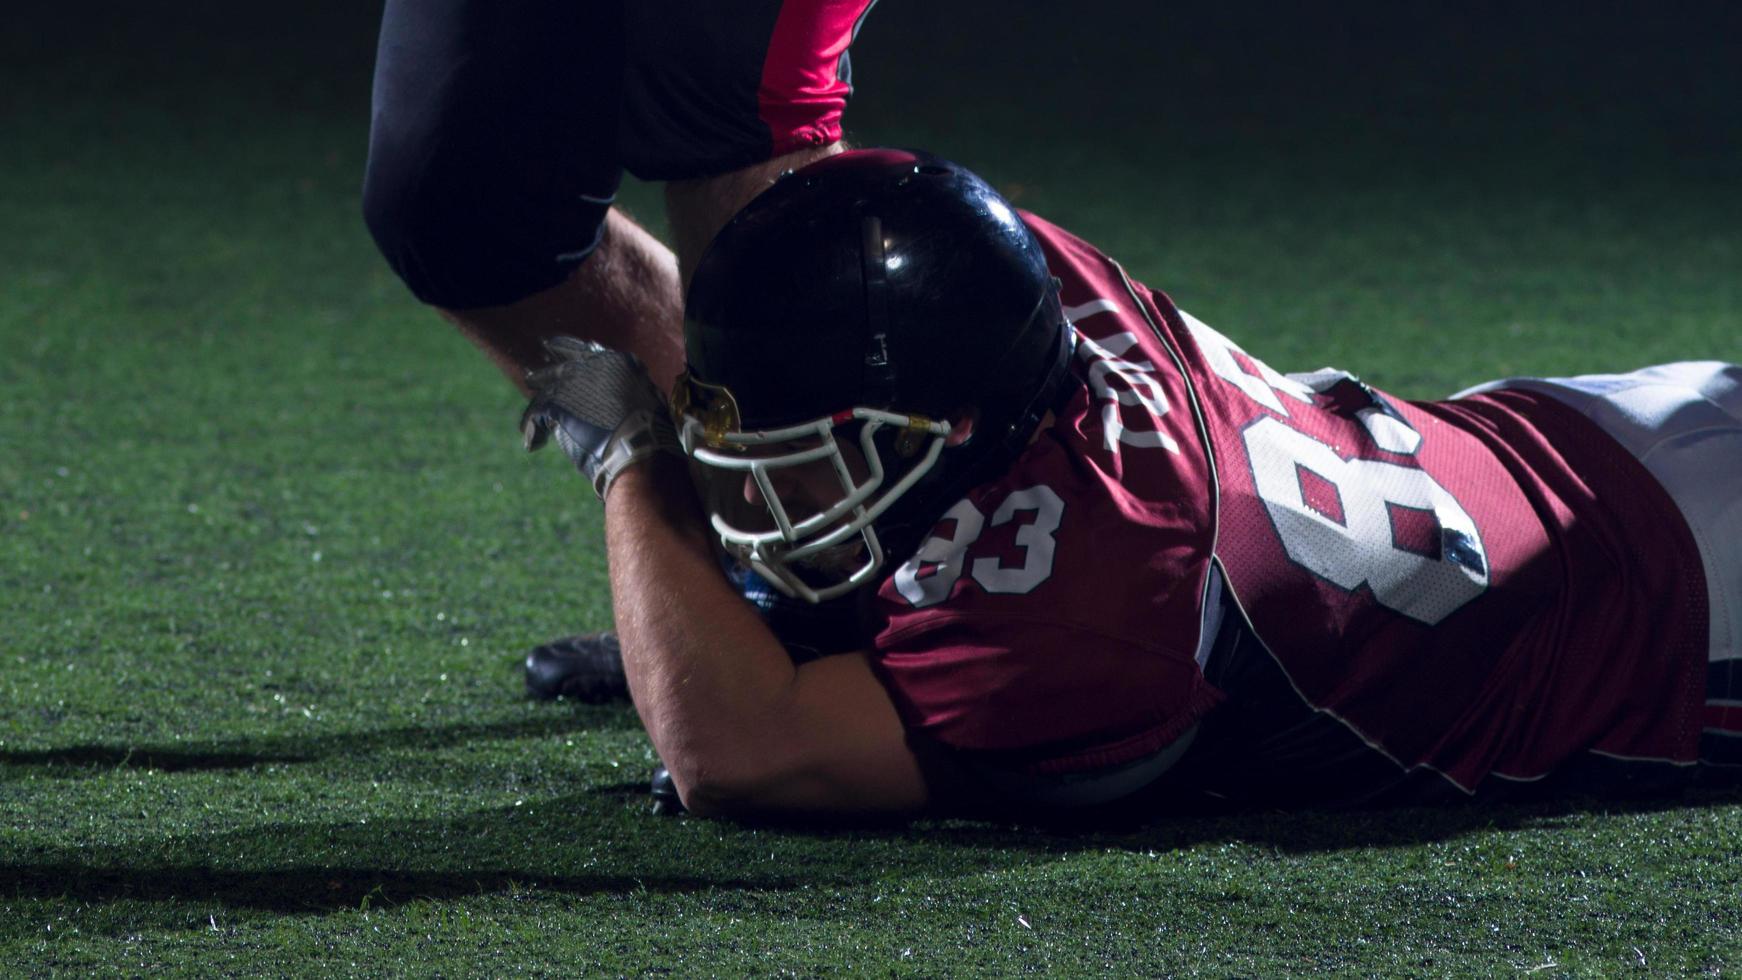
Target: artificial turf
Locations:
point(269, 551)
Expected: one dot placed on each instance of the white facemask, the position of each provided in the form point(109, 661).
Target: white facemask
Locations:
point(831, 549)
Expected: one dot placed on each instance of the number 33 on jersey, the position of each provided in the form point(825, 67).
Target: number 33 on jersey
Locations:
point(1133, 413)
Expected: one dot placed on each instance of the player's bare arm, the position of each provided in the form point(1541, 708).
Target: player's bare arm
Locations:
point(743, 730)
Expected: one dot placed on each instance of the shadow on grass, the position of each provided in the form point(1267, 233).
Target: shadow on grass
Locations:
point(597, 843)
point(312, 889)
point(580, 845)
point(243, 753)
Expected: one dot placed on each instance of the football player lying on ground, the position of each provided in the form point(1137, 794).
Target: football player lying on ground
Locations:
point(1103, 556)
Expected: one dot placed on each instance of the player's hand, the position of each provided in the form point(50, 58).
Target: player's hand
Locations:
point(604, 410)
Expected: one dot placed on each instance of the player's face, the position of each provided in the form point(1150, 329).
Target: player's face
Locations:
point(808, 488)
point(803, 490)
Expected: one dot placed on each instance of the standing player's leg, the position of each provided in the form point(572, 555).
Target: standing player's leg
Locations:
point(492, 167)
point(720, 98)
point(495, 153)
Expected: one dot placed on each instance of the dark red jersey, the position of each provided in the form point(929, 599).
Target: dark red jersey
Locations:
point(1483, 587)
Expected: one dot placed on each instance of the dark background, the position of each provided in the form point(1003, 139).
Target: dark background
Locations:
point(1353, 91)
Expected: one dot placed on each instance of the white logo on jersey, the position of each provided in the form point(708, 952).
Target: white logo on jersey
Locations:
point(1083, 311)
point(1137, 386)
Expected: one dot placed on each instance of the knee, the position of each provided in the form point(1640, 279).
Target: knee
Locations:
point(467, 223)
point(401, 216)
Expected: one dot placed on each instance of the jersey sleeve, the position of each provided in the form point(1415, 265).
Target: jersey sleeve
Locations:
point(1059, 698)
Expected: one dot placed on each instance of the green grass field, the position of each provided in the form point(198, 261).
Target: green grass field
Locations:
point(269, 551)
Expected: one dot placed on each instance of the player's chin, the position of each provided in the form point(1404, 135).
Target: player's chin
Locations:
point(831, 566)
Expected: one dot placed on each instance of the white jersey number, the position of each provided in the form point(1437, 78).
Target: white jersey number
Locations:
point(1362, 547)
point(927, 577)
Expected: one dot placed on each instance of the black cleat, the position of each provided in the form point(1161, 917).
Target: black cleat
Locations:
point(664, 792)
point(588, 668)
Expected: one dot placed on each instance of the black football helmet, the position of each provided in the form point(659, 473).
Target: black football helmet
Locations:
point(872, 299)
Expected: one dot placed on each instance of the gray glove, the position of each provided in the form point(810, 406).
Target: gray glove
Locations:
point(605, 411)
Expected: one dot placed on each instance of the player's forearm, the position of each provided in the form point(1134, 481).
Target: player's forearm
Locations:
point(707, 676)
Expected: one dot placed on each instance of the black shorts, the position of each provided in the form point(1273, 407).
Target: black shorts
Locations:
point(500, 128)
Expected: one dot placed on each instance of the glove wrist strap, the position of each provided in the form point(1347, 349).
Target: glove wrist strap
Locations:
point(641, 435)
